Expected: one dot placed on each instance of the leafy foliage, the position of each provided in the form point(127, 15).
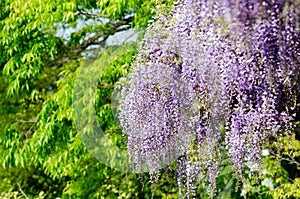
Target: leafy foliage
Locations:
point(42, 43)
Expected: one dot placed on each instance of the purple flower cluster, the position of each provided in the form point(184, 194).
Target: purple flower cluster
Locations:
point(209, 64)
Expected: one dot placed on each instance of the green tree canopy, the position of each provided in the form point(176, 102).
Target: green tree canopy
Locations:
point(42, 44)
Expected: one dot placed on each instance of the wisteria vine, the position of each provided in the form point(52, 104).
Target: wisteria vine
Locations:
point(207, 68)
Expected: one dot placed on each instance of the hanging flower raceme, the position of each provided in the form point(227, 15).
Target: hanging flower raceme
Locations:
point(205, 66)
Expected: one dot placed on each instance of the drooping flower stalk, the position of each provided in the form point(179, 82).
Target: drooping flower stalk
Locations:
point(205, 65)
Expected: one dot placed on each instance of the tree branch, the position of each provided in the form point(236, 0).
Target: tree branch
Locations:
point(74, 52)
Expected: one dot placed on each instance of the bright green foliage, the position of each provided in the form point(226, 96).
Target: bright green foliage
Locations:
point(29, 45)
point(57, 149)
point(41, 152)
point(287, 185)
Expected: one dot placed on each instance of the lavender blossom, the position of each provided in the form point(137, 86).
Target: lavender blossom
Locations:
point(205, 65)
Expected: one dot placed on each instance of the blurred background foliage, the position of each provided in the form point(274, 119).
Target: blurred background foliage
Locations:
point(41, 154)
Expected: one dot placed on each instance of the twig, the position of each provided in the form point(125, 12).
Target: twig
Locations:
point(24, 121)
point(290, 160)
point(22, 191)
point(82, 12)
